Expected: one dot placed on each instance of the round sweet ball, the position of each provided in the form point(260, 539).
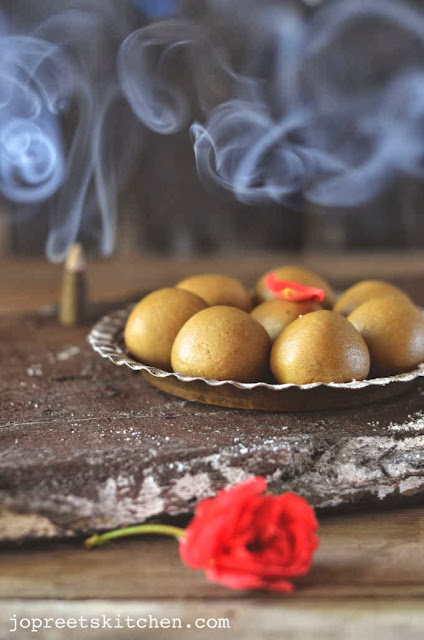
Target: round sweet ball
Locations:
point(222, 343)
point(276, 315)
point(295, 274)
point(218, 289)
point(363, 291)
point(321, 346)
point(393, 329)
point(155, 321)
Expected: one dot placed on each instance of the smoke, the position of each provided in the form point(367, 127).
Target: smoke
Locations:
point(327, 105)
point(59, 101)
point(31, 153)
point(282, 103)
point(149, 68)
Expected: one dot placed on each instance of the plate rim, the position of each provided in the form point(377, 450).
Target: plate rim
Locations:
point(103, 340)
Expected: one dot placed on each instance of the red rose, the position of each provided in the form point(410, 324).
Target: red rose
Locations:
point(247, 540)
point(242, 538)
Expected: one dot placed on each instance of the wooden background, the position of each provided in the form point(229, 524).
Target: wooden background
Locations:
point(367, 581)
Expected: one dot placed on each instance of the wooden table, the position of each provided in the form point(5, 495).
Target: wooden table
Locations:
point(368, 577)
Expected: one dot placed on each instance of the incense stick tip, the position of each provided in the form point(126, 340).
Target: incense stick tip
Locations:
point(76, 258)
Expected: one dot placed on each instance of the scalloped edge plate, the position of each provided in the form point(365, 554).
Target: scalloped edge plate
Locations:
point(106, 339)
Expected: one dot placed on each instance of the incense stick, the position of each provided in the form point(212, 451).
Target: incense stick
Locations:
point(73, 302)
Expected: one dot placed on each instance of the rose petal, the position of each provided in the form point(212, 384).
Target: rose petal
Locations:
point(245, 539)
point(237, 580)
point(291, 290)
point(201, 543)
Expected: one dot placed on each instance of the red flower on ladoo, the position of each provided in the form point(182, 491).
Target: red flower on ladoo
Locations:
point(293, 291)
point(247, 540)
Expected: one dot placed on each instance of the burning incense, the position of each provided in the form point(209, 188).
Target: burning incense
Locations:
point(73, 302)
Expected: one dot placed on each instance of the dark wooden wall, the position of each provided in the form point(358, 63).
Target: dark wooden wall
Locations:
point(164, 208)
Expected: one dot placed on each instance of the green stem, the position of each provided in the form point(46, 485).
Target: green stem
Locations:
point(142, 529)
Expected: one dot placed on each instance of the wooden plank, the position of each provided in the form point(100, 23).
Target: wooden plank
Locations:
point(377, 556)
point(372, 555)
point(90, 446)
point(249, 619)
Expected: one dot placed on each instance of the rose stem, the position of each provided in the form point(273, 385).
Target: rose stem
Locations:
point(161, 529)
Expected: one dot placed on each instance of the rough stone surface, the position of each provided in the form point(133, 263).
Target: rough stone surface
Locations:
point(85, 445)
